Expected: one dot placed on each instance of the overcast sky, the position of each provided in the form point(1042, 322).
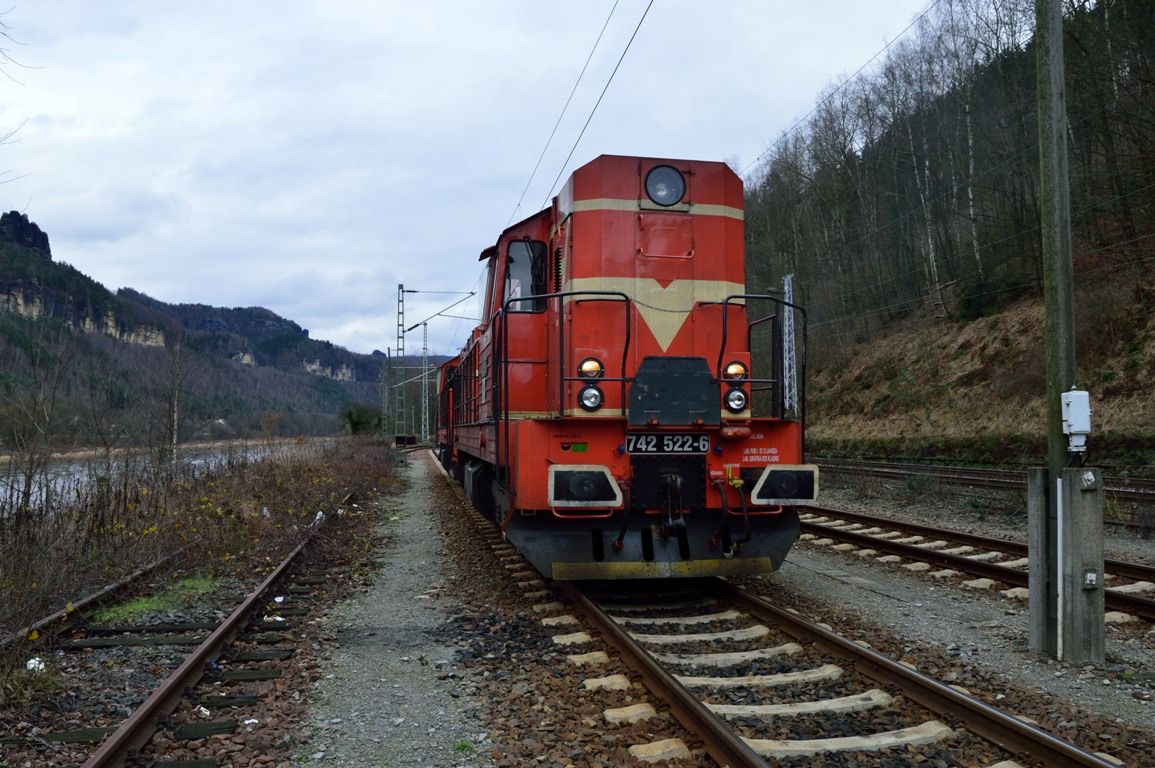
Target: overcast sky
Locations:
point(309, 156)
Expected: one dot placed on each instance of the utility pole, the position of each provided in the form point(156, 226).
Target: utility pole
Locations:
point(385, 370)
point(1065, 505)
point(425, 381)
point(400, 398)
point(174, 403)
point(402, 330)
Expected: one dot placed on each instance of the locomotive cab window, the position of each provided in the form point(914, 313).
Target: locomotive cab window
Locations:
point(526, 275)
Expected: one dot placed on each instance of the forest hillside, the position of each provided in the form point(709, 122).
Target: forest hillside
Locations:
point(905, 207)
point(974, 391)
point(83, 366)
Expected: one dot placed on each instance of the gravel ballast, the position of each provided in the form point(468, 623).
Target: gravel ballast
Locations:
point(440, 662)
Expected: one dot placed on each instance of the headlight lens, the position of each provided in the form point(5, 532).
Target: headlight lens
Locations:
point(665, 185)
point(590, 398)
point(735, 371)
point(591, 368)
point(736, 401)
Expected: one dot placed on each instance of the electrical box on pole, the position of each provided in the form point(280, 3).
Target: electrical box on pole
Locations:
point(1076, 406)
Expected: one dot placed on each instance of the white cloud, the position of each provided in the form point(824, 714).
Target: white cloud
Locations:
point(309, 156)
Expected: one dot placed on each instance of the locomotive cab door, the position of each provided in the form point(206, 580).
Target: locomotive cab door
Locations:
point(523, 354)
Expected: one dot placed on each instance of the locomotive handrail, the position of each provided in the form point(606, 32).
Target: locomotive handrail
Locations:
point(501, 402)
point(777, 374)
point(801, 347)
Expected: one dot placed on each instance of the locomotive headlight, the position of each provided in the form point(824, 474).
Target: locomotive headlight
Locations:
point(665, 185)
point(590, 398)
point(735, 371)
point(736, 401)
point(591, 368)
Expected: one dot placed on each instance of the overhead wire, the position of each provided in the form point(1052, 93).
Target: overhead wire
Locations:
point(841, 85)
point(593, 111)
point(565, 108)
point(552, 133)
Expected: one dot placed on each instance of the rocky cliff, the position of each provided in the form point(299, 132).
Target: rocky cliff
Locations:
point(16, 228)
point(35, 287)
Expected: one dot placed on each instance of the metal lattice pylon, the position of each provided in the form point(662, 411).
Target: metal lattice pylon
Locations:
point(789, 358)
point(398, 423)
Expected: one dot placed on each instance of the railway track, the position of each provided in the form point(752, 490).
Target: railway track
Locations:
point(66, 617)
point(198, 686)
point(711, 654)
point(586, 637)
point(1130, 490)
point(759, 685)
point(964, 553)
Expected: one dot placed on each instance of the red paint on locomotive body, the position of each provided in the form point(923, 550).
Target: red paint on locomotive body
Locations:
point(601, 414)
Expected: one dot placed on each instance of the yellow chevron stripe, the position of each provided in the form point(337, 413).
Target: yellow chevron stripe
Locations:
point(663, 310)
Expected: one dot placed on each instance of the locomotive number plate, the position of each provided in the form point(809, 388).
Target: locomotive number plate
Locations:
point(667, 442)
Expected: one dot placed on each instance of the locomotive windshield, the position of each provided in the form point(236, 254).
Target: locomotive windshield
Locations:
point(525, 275)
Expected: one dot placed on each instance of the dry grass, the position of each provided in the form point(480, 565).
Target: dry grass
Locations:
point(953, 384)
point(243, 511)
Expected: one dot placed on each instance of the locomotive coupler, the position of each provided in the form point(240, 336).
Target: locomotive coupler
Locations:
point(672, 521)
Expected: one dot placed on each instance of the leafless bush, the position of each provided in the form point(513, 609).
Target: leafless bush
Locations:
point(95, 528)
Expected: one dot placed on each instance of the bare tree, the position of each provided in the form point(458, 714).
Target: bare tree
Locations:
point(28, 404)
point(6, 63)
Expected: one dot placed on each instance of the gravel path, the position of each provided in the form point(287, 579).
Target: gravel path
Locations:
point(393, 696)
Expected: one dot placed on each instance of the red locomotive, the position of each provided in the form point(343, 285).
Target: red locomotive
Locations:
point(603, 413)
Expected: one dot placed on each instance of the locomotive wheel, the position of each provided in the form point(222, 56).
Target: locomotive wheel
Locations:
point(478, 482)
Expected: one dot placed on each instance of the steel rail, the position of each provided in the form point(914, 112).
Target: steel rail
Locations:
point(721, 742)
point(1136, 571)
point(1139, 490)
point(61, 618)
point(138, 729)
point(992, 724)
point(1113, 600)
